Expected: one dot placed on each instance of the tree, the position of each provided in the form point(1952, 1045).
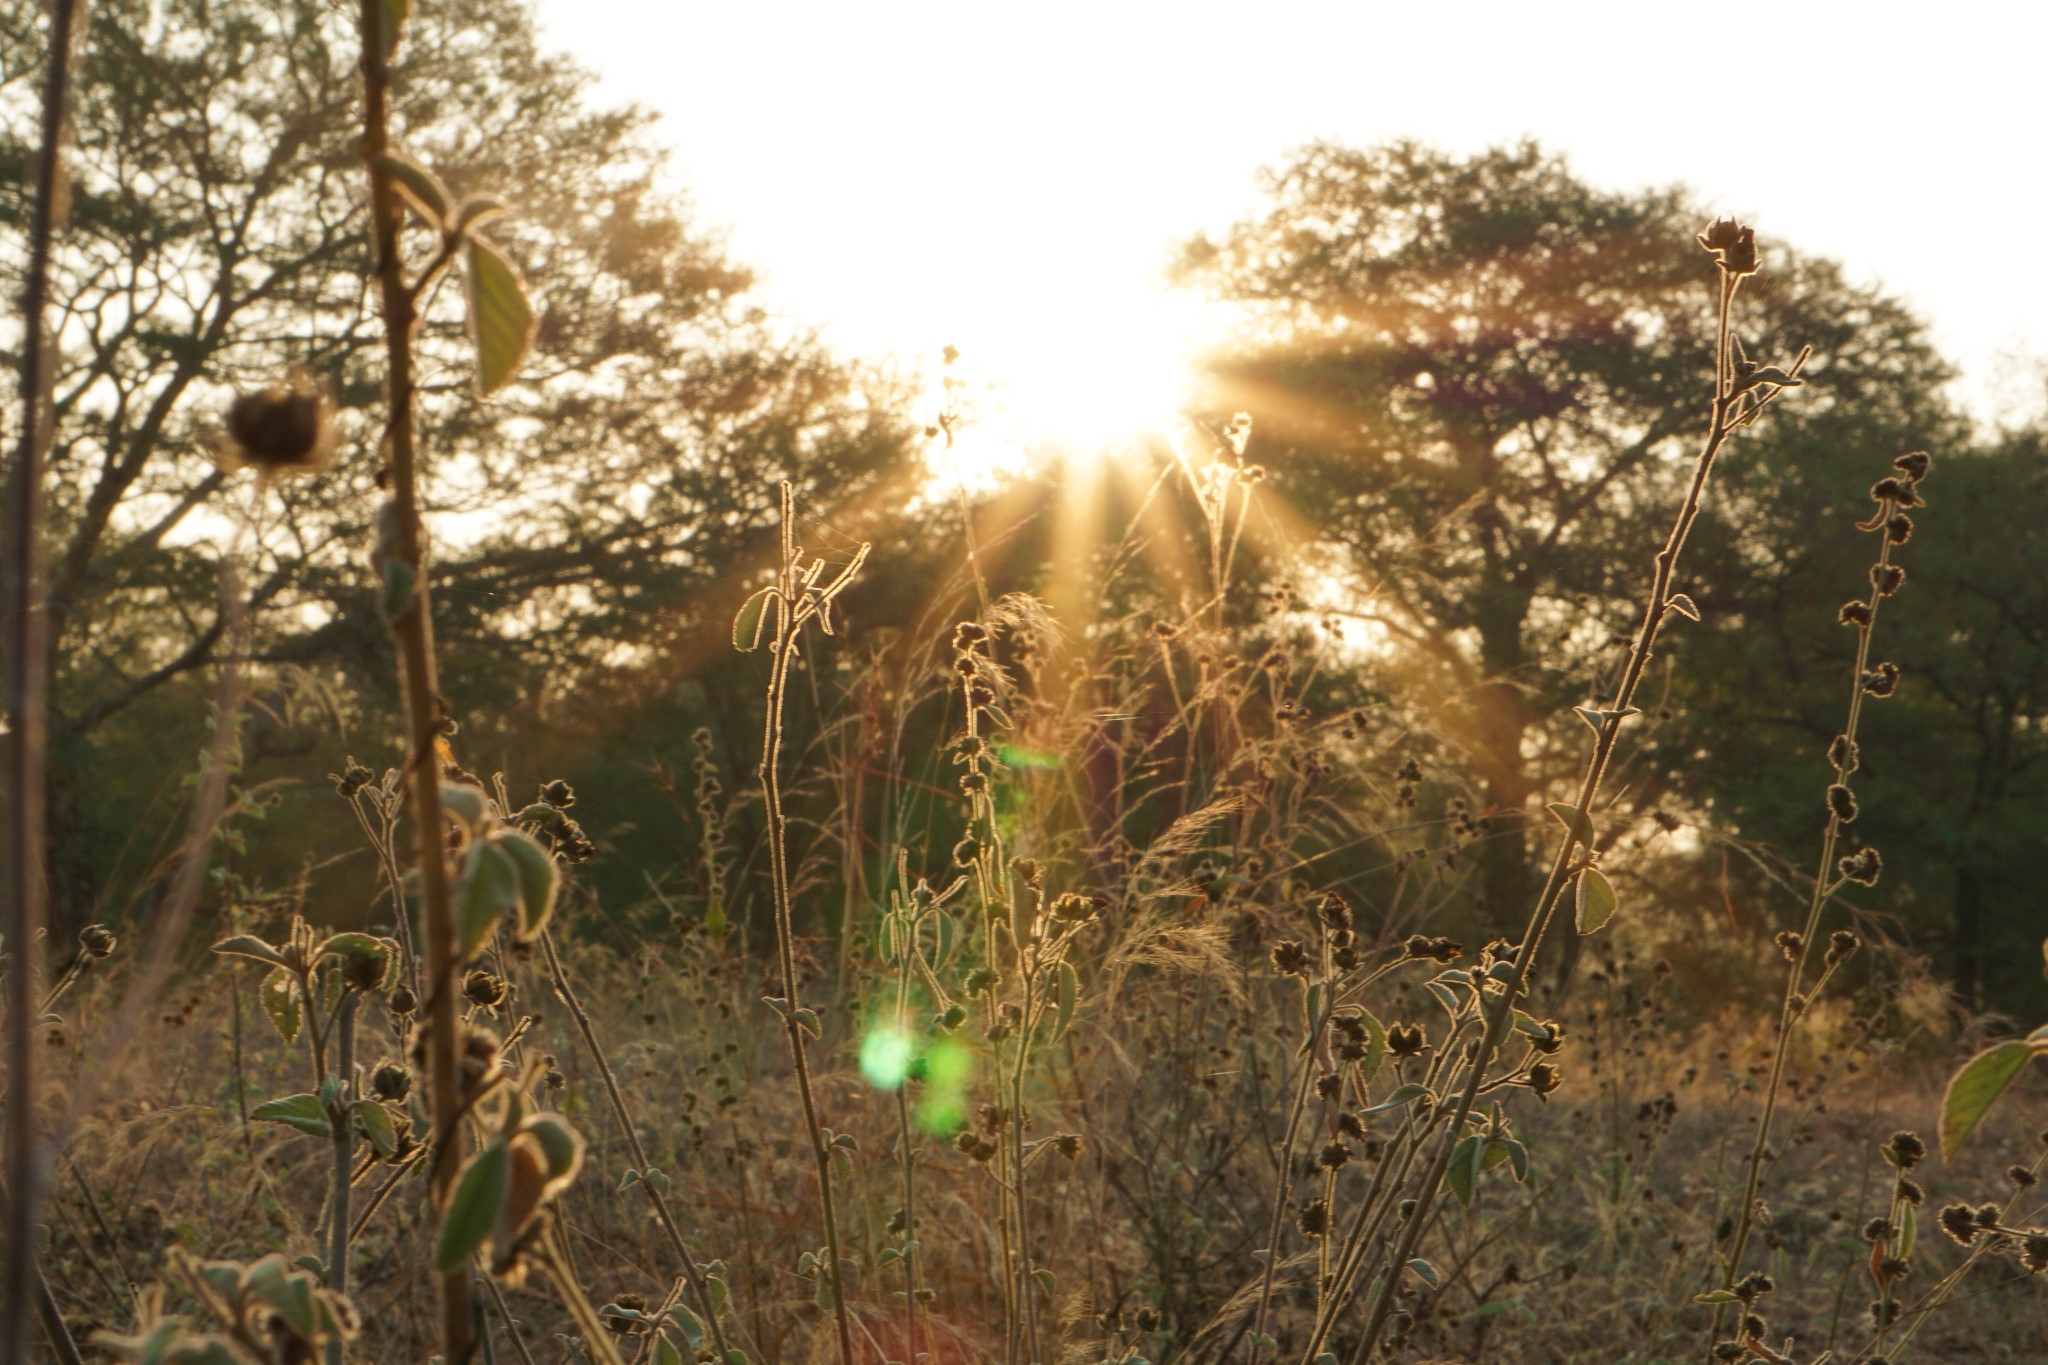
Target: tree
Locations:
point(1483, 376)
point(218, 240)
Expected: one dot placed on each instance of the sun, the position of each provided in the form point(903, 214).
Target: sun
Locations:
point(1077, 376)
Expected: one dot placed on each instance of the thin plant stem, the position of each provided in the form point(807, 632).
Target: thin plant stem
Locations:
point(413, 624)
point(1824, 887)
point(27, 699)
point(1656, 606)
point(796, 599)
point(344, 1154)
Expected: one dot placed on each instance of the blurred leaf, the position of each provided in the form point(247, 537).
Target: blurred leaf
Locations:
point(392, 15)
point(501, 321)
point(1569, 817)
point(1463, 1172)
point(538, 880)
point(478, 1196)
point(418, 186)
point(490, 886)
point(375, 1121)
point(303, 1112)
point(1069, 991)
point(250, 946)
point(279, 995)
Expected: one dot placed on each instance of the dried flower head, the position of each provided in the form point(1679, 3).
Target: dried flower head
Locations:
point(1959, 1221)
point(1905, 1150)
point(285, 428)
point(1732, 244)
point(1861, 867)
point(1841, 803)
point(1881, 679)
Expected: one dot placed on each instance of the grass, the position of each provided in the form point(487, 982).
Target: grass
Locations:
point(1098, 1067)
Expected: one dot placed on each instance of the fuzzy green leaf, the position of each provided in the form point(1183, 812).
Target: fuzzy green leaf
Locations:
point(746, 625)
point(1973, 1089)
point(501, 321)
point(478, 1196)
point(538, 881)
point(1069, 993)
point(279, 996)
point(1596, 900)
point(375, 1121)
point(418, 186)
point(1571, 819)
point(1463, 1174)
point(303, 1112)
point(490, 887)
point(249, 946)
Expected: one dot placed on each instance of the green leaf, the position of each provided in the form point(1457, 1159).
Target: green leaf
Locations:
point(395, 595)
point(1425, 1270)
point(1596, 900)
point(538, 880)
point(1464, 1169)
point(692, 1325)
point(1401, 1096)
point(279, 996)
point(1375, 1047)
point(665, 1352)
point(490, 886)
point(501, 321)
point(418, 186)
point(1973, 1089)
point(249, 946)
point(466, 803)
point(473, 212)
point(714, 921)
point(746, 625)
point(392, 15)
point(375, 1121)
point(1571, 819)
point(1518, 1161)
point(1909, 1231)
point(1683, 605)
point(478, 1196)
point(1716, 1296)
point(1068, 992)
point(303, 1112)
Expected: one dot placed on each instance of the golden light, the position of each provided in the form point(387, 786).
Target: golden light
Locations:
point(1043, 376)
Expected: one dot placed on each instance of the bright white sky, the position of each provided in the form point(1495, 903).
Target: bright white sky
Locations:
point(1010, 179)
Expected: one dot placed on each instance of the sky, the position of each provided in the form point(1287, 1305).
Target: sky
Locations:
point(1012, 179)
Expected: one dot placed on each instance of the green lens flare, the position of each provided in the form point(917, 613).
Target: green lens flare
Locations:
point(885, 1057)
point(947, 1065)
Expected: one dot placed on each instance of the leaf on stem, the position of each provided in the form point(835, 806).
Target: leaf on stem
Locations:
point(1973, 1089)
point(1595, 900)
point(500, 319)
